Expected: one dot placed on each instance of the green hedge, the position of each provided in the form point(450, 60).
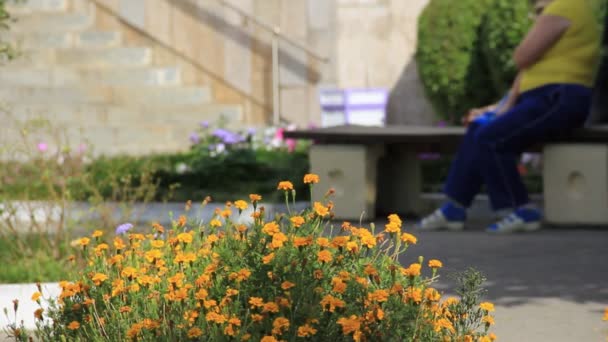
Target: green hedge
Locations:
point(464, 51)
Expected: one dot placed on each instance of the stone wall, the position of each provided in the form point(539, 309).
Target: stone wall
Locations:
point(369, 43)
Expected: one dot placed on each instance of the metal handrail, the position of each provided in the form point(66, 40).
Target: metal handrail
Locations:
point(274, 30)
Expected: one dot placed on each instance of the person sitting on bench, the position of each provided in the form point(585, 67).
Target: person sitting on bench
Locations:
point(550, 96)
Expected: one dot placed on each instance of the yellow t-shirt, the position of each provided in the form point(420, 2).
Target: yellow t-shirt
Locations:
point(574, 57)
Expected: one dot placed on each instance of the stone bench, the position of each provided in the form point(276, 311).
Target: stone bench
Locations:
point(376, 169)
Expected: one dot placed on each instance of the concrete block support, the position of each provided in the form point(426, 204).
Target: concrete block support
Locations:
point(576, 184)
point(350, 170)
point(399, 181)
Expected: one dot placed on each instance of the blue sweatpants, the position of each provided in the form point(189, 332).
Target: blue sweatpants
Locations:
point(488, 154)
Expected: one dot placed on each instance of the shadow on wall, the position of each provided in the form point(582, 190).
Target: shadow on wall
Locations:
point(407, 103)
point(248, 40)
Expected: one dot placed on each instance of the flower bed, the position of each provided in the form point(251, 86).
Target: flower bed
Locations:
point(293, 277)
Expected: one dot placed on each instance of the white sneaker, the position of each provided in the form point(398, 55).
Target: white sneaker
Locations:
point(512, 224)
point(438, 221)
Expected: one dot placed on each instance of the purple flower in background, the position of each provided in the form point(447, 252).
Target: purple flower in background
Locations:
point(204, 124)
point(233, 139)
point(251, 131)
point(442, 124)
point(194, 138)
point(123, 228)
point(221, 133)
point(42, 147)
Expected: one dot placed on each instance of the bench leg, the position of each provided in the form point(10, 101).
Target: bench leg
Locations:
point(575, 179)
point(351, 171)
point(400, 182)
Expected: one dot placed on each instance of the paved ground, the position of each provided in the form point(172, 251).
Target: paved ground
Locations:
point(548, 286)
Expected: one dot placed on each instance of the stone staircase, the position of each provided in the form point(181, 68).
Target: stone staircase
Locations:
point(94, 86)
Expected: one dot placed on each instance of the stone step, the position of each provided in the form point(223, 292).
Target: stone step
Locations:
point(52, 77)
point(52, 22)
point(62, 40)
point(117, 56)
point(137, 95)
point(132, 130)
point(29, 6)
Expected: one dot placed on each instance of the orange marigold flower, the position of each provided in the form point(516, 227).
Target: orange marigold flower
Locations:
point(36, 296)
point(443, 323)
point(182, 221)
point(352, 247)
point(257, 317)
point(432, 295)
point(286, 285)
point(297, 221)
point(605, 315)
point(153, 255)
point(215, 317)
point(255, 197)
point(330, 303)
point(271, 228)
point(256, 302)
point(489, 320)
point(434, 263)
point(379, 296)
point(271, 307)
point(124, 309)
point(285, 185)
point(340, 241)
point(350, 325)
point(184, 237)
point(324, 256)
point(195, 332)
point(492, 336)
point(38, 313)
point(299, 241)
point(241, 205)
point(412, 271)
point(129, 272)
point(269, 339)
point(268, 258)
point(392, 227)
point(99, 278)
point(395, 219)
point(409, 238)
point(306, 330)
point(414, 293)
point(323, 242)
point(338, 284)
point(320, 209)
point(311, 178)
point(119, 244)
point(97, 233)
point(73, 325)
point(487, 306)
point(278, 239)
point(83, 242)
point(279, 325)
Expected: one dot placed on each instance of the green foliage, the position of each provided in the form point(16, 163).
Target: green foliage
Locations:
point(464, 51)
point(449, 56)
point(504, 26)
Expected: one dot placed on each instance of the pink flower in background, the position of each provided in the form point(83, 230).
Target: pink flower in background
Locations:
point(279, 134)
point(291, 145)
point(82, 148)
point(42, 147)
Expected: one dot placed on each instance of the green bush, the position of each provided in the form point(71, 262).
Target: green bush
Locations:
point(449, 56)
point(464, 51)
point(504, 26)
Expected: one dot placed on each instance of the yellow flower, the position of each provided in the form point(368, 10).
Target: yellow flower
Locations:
point(278, 240)
point(271, 307)
point(487, 306)
point(489, 320)
point(83, 242)
point(443, 323)
point(129, 272)
point(413, 293)
point(306, 330)
point(119, 244)
point(271, 228)
point(286, 285)
point(99, 278)
point(320, 209)
point(153, 255)
point(369, 241)
point(184, 237)
point(279, 325)
point(297, 221)
point(256, 302)
point(324, 256)
point(73, 325)
point(392, 227)
point(434, 263)
point(215, 223)
point(412, 271)
point(394, 218)
point(36, 296)
point(267, 258)
point(195, 332)
point(285, 185)
point(97, 233)
point(255, 197)
point(350, 325)
point(241, 205)
point(605, 315)
point(184, 257)
point(311, 178)
point(409, 238)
